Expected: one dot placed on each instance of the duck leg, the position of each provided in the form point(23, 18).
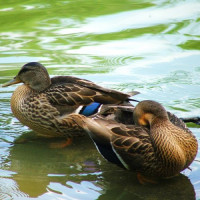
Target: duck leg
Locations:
point(61, 144)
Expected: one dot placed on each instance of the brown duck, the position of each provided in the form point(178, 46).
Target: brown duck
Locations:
point(158, 145)
point(43, 103)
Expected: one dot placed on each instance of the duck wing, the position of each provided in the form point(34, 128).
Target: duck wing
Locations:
point(86, 86)
point(128, 146)
point(133, 147)
point(68, 93)
point(177, 121)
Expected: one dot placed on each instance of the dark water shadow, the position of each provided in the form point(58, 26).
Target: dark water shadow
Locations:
point(125, 186)
point(37, 166)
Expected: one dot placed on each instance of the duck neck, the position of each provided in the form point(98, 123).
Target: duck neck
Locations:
point(166, 145)
point(40, 85)
point(18, 101)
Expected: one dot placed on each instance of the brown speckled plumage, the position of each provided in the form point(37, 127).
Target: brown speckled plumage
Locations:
point(43, 104)
point(158, 145)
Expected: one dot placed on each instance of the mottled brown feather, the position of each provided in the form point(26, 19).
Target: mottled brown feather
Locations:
point(160, 150)
point(43, 104)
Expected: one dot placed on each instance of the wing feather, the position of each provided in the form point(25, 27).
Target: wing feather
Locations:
point(134, 146)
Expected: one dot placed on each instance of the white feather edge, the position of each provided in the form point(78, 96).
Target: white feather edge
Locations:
point(96, 145)
point(77, 111)
point(118, 156)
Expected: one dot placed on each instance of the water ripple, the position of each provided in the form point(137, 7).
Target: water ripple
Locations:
point(148, 46)
point(137, 19)
point(9, 190)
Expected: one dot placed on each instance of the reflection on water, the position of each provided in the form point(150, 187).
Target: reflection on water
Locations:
point(143, 45)
point(78, 174)
point(177, 188)
point(41, 171)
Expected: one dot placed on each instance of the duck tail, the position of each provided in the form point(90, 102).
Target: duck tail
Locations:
point(133, 100)
point(195, 120)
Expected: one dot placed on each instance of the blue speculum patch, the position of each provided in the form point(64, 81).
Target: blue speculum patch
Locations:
point(90, 109)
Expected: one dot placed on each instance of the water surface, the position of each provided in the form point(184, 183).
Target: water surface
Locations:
point(148, 46)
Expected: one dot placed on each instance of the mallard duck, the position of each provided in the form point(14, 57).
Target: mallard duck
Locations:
point(158, 144)
point(43, 103)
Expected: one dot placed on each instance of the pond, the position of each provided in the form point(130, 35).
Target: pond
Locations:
point(151, 46)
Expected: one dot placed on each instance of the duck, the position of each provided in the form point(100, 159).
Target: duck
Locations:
point(157, 145)
point(44, 104)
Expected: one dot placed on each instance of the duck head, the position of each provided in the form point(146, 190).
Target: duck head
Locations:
point(148, 112)
point(32, 74)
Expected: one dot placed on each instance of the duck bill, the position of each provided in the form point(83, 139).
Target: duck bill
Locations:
point(12, 82)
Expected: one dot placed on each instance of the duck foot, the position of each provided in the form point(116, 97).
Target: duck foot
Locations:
point(145, 180)
point(61, 144)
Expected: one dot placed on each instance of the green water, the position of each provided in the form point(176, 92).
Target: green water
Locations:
point(149, 46)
